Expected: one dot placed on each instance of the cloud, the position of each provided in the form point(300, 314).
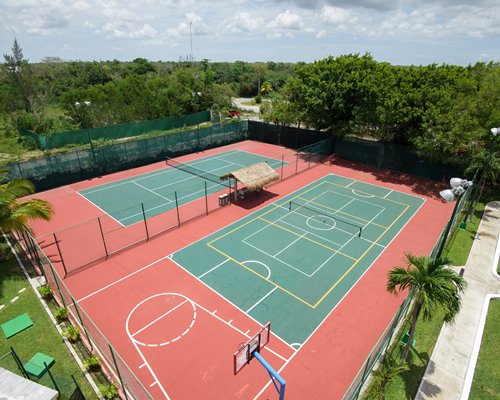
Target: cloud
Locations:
point(243, 22)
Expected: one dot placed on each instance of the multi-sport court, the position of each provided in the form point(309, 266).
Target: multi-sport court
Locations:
point(311, 259)
point(294, 260)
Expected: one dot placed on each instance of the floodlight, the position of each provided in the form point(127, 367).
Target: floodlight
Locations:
point(447, 195)
point(454, 182)
point(455, 192)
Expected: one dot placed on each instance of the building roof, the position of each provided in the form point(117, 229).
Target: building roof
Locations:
point(255, 176)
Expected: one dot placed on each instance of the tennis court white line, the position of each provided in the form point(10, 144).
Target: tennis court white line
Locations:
point(146, 175)
point(292, 243)
point(214, 268)
point(149, 190)
point(387, 194)
point(275, 258)
point(171, 201)
point(160, 317)
point(100, 209)
point(261, 300)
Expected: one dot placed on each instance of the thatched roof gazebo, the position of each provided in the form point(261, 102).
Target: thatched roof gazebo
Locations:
point(254, 177)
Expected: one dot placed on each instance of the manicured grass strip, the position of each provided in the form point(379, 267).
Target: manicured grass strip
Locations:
point(486, 382)
point(41, 337)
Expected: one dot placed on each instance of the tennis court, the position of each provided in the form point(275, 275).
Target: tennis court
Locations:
point(163, 190)
point(293, 261)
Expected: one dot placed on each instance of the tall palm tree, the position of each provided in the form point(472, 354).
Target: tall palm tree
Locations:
point(15, 214)
point(433, 285)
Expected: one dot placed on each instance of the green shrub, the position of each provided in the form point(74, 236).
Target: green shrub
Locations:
point(92, 364)
point(109, 391)
point(46, 292)
point(258, 99)
point(61, 314)
point(72, 333)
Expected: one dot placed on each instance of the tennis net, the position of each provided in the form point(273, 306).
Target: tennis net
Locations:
point(318, 215)
point(195, 171)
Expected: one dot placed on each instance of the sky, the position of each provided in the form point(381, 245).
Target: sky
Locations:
point(402, 32)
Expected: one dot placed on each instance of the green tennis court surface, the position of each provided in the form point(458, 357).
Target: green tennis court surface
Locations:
point(293, 261)
point(159, 191)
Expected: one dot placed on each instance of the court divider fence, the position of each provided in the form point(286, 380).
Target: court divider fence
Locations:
point(106, 235)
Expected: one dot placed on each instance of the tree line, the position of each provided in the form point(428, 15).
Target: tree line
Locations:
point(443, 110)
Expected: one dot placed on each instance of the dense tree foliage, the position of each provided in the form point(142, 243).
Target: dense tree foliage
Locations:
point(444, 110)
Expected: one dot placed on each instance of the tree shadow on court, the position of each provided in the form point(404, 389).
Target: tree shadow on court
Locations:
point(418, 185)
point(254, 199)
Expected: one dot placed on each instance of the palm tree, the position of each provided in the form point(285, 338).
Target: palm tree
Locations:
point(433, 285)
point(15, 214)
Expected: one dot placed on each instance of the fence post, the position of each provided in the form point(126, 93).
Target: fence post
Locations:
point(19, 363)
point(57, 284)
point(177, 208)
point(447, 230)
point(118, 371)
point(77, 387)
point(282, 165)
point(51, 376)
point(60, 255)
point(102, 236)
point(81, 321)
point(206, 197)
point(297, 164)
point(145, 223)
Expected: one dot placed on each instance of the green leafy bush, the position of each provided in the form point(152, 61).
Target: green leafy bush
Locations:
point(72, 333)
point(92, 364)
point(109, 391)
point(46, 292)
point(61, 314)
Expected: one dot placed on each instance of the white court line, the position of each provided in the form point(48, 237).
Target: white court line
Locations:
point(387, 194)
point(214, 268)
point(354, 181)
point(147, 175)
point(261, 300)
point(211, 289)
point(160, 317)
point(149, 190)
point(121, 279)
point(99, 208)
point(292, 243)
point(343, 297)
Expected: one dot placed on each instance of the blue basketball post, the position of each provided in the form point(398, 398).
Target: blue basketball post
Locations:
point(275, 377)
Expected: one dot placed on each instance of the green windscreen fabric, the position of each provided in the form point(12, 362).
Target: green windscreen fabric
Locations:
point(83, 136)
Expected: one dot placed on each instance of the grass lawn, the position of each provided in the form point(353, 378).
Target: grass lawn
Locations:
point(486, 382)
point(41, 337)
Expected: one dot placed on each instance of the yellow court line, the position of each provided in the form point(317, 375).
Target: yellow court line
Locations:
point(261, 215)
point(306, 238)
point(340, 211)
point(359, 259)
point(371, 194)
point(261, 276)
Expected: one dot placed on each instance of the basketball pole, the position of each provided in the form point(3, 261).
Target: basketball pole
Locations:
point(273, 374)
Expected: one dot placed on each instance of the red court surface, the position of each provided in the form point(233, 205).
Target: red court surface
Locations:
point(178, 336)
